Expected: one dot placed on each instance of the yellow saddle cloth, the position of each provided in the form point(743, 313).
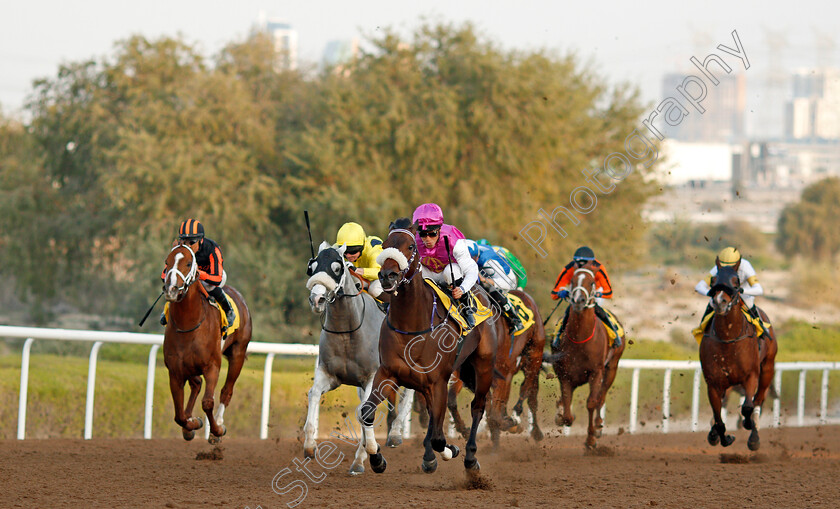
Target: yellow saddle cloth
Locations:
point(524, 312)
point(760, 326)
point(230, 328)
point(480, 314)
point(610, 333)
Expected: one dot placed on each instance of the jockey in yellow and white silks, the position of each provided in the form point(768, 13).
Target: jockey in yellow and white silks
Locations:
point(435, 260)
point(362, 251)
point(730, 256)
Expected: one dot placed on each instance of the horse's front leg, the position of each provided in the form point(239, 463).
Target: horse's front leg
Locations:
point(596, 381)
point(564, 416)
point(323, 382)
point(358, 466)
point(452, 404)
point(383, 385)
point(211, 378)
point(435, 440)
point(195, 389)
point(718, 432)
point(395, 433)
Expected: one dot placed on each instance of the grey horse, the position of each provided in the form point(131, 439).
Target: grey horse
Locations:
point(349, 344)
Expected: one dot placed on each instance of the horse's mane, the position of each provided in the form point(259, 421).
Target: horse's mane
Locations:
point(403, 223)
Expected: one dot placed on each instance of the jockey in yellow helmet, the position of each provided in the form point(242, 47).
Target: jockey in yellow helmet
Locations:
point(729, 257)
point(362, 251)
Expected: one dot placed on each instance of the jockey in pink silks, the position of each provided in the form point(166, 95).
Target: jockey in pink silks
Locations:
point(435, 260)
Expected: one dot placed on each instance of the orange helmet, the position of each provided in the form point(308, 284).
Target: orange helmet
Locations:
point(191, 229)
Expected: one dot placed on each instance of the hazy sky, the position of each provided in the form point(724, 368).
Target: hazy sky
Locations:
point(625, 41)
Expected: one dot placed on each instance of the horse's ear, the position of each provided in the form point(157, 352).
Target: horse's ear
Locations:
point(324, 245)
point(735, 267)
point(391, 226)
point(341, 249)
point(717, 262)
point(415, 227)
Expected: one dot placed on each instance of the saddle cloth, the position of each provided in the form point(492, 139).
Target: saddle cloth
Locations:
point(480, 314)
point(610, 333)
point(524, 312)
point(224, 321)
point(760, 326)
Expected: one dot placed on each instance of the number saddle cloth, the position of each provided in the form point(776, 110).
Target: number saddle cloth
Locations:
point(226, 327)
point(610, 333)
point(480, 311)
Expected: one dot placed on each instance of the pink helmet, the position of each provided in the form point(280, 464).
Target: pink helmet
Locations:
point(428, 214)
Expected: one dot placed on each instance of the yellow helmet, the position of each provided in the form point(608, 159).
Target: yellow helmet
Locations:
point(729, 256)
point(351, 234)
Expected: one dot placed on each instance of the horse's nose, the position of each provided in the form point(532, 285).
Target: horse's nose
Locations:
point(316, 302)
point(388, 278)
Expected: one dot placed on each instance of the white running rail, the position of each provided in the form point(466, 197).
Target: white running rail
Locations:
point(272, 349)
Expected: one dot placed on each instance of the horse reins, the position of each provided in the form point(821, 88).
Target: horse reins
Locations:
point(189, 279)
point(336, 296)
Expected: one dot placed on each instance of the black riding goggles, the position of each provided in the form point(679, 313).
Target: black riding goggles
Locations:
point(190, 241)
point(351, 250)
point(429, 233)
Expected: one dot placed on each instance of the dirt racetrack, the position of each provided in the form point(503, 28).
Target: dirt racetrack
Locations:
point(796, 467)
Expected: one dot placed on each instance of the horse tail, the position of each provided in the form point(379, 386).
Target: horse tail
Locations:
point(551, 358)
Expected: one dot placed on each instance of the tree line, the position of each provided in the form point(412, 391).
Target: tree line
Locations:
point(117, 151)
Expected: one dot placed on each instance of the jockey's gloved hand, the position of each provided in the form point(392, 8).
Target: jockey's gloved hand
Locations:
point(563, 294)
point(598, 295)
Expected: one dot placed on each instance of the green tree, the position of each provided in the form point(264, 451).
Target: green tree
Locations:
point(808, 228)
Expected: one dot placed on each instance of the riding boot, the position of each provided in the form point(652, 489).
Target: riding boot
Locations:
point(755, 314)
point(556, 342)
point(163, 317)
point(513, 317)
point(219, 294)
point(600, 313)
point(467, 310)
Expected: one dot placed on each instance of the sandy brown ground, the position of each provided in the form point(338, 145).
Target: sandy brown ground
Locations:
point(797, 467)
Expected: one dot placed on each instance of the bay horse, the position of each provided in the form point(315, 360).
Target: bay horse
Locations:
point(522, 352)
point(192, 344)
point(419, 348)
point(348, 348)
point(583, 355)
point(731, 354)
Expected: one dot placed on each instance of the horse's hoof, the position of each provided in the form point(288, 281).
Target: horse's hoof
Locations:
point(214, 440)
point(429, 466)
point(449, 452)
point(308, 452)
point(378, 463)
point(727, 440)
point(590, 444)
point(537, 434)
point(753, 443)
point(394, 441)
point(357, 469)
point(472, 465)
point(188, 434)
point(713, 437)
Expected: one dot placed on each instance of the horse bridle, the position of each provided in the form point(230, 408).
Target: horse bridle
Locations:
point(189, 279)
point(590, 294)
point(338, 293)
point(404, 279)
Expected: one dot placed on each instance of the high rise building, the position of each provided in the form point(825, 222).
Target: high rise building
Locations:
point(340, 51)
point(723, 120)
point(285, 39)
point(814, 111)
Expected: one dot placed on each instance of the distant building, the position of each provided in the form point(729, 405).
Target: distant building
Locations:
point(723, 120)
point(340, 51)
point(285, 39)
point(814, 111)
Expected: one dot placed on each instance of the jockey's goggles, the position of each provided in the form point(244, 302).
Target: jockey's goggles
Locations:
point(430, 233)
point(351, 250)
point(190, 241)
point(580, 262)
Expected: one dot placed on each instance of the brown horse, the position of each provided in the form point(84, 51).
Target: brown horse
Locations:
point(583, 355)
point(525, 353)
point(419, 348)
point(731, 353)
point(192, 344)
